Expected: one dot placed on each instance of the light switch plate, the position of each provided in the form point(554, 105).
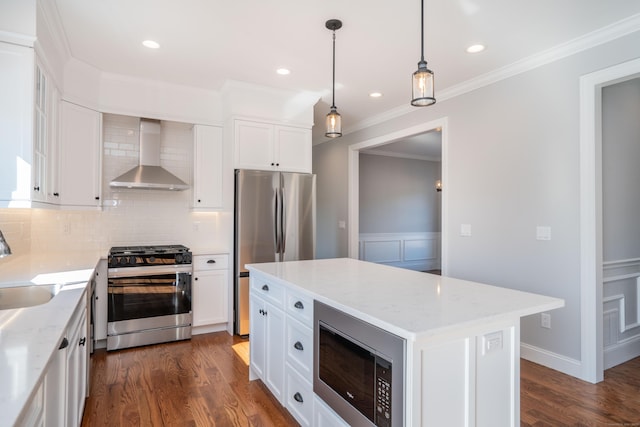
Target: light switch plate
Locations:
point(465, 230)
point(543, 232)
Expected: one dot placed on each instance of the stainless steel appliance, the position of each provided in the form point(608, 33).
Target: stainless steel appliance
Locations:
point(149, 295)
point(275, 220)
point(358, 368)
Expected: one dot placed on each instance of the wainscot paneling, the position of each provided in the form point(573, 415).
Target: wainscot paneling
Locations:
point(415, 251)
point(621, 311)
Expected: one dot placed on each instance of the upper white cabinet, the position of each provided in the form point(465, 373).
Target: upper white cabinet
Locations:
point(207, 167)
point(80, 156)
point(268, 146)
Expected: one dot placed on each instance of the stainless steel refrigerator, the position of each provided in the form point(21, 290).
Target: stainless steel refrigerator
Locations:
point(275, 220)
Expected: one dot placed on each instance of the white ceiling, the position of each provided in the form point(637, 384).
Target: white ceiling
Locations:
point(205, 42)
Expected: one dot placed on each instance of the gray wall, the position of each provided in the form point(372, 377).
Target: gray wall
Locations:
point(621, 170)
point(513, 164)
point(398, 195)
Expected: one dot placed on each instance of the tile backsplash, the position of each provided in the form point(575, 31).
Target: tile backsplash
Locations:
point(128, 217)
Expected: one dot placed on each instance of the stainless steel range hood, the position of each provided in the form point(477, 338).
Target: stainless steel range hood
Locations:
point(149, 175)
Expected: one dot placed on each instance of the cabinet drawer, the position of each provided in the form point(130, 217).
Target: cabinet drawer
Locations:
point(210, 262)
point(299, 399)
point(300, 306)
point(271, 292)
point(300, 348)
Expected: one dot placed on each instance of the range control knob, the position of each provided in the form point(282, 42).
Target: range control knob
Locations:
point(178, 258)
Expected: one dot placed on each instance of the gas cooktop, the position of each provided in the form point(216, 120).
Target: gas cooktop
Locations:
point(136, 256)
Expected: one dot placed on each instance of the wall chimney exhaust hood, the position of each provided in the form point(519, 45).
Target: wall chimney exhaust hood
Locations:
point(149, 175)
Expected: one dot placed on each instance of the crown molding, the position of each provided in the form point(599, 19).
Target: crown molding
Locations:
point(595, 38)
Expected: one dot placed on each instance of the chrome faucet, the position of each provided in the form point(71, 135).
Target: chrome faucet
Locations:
point(5, 250)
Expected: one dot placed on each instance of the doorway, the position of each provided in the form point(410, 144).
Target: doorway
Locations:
point(354, 181)
point(591, 214)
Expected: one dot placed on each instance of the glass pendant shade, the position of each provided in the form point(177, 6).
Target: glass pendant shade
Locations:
point(334, 124)
point(423, 86)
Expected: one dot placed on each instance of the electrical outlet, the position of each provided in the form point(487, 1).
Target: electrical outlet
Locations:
point(491, 342)
point(545, 320)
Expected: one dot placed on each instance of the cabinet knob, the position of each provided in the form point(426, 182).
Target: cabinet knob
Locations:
point(273, 164)
point(298, 346)
point(298, 397)
point(36, 188)
point(199, 200)
point(97, 197)
point(64, 343)
point(277, 164)
point(265, 288)
point(83, 341)
point(299, 305)
point(56, 194)
point(195, 278)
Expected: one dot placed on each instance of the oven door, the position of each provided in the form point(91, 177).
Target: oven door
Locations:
point(139, 293)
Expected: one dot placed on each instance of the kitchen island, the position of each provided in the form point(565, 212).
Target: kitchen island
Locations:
point(462, 338)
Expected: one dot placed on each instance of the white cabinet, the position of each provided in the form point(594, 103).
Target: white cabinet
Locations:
point(100, 302)
point(80, 154)
point(210, 285)
point(268, 146)
point(282, 342)
point(60, 397)
point(77, 367)
point(207, 167)
point(267, 330)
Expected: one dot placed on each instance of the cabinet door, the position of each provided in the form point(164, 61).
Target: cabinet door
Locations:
point(257, 337)
point(40, 135)
point(275, 353)
point(77, 371)
point(100, 316)
point(207, 180)
point(80, 156)
point(254, 145)
point(293, 149)
point(16, 133)
point(209, 301)
point(55, 386)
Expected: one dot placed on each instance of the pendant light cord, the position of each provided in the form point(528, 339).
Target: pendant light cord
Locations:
point(333, 94)
point(422, 31)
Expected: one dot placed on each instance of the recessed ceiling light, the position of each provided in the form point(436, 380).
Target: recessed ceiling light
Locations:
point(375, 94)
point(475, 48)
point(151, 44)
point(283, 71)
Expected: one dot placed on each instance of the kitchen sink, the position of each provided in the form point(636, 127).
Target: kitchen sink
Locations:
point(27, 296)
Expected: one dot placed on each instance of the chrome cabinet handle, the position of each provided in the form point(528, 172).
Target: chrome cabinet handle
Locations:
point(298, 397)
point(299, 305)
point(298, 346)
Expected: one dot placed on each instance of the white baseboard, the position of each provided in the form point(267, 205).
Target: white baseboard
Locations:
point(621, 352)
point(555, 361)
point(197, 330)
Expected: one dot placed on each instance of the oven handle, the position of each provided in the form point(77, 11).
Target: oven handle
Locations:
point(149, 270)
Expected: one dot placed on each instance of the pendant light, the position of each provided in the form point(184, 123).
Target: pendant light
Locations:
point(422, 93)
point(334, 121)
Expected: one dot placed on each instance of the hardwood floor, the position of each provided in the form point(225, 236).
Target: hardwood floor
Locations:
point(201, 382)
point(550, 398)
point(204, 382)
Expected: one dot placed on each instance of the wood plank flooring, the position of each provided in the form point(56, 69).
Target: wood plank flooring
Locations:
point(204, 382)
point(199, 382)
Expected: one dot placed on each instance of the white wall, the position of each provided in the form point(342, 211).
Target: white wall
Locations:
point(397, 195)
point(513, 165)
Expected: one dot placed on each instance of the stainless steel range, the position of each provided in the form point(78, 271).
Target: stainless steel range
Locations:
point(149, 295)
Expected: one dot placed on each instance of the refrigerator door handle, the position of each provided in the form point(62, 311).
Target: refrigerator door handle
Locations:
point(276, 231)
point(283, 224)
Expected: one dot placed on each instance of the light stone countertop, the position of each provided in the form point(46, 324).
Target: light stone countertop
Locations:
point(407, 303)
point(30, 336)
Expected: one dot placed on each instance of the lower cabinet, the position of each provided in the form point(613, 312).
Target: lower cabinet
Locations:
point(210, 285)
point(60, 397)
point(281, 322)
point(267, 344)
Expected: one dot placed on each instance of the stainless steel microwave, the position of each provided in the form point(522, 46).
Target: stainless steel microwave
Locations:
point(358, 369)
